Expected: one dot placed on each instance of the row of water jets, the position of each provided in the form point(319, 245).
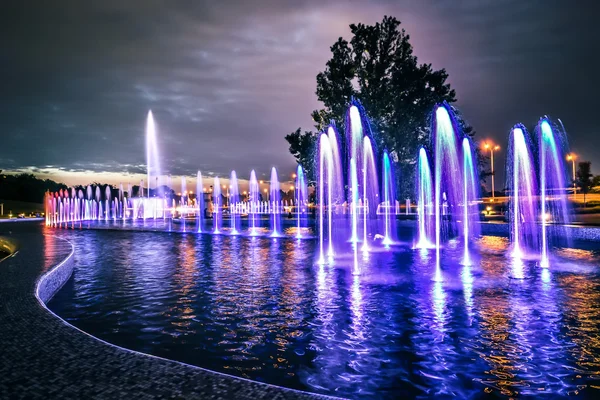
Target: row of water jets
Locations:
point(356, 202)
point(535, 179)
point(225, 209)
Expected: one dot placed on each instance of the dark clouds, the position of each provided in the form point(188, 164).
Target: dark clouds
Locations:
point(227, 80)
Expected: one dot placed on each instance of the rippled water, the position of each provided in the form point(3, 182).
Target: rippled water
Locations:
point(260, 308)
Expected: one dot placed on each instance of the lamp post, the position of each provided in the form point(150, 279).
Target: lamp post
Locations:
point(571, 157)
point(491, 147)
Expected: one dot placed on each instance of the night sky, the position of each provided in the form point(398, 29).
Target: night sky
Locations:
point(227, 80)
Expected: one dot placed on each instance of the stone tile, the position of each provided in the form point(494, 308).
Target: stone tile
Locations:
point(44, 357)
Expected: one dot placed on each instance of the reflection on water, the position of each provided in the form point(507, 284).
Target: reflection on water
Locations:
point(261, 308)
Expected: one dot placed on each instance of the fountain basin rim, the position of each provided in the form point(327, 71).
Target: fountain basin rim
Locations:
point(62, 273)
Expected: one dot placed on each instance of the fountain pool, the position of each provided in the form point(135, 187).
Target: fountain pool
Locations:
point(328, 290)
point(262, 308)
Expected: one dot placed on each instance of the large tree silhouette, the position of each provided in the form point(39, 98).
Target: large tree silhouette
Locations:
point(378, 67)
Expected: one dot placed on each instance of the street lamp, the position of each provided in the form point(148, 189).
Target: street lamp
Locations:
point(572, 157)
point(492, 147)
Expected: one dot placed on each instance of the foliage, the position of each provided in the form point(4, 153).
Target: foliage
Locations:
point(303, 148)
point(584, 178)
point(26, 187)
point(378, 67)
point(482, 161)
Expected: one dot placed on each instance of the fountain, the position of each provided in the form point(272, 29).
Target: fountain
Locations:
point(301, 199)
point(325, 184)
point(152, 158)
point(426, 227)
point(354, 201)
point(447, 177)
point(522, 186)
point(363, 202)
point(388, 199)
point(355, 194)
point(275, 204)
point(470, 197)
point(200, 200)
point(254, 200)
point(232, 203)
point(216, 205)
point(553, 197)
point(370, 192)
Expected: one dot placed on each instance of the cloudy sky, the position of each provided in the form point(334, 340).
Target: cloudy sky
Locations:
point(227, 80)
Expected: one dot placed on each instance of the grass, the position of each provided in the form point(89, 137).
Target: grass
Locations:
point(18, 207)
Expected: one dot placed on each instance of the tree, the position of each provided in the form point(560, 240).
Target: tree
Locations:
point(26, 187)
point(378, 67)
point(482, 160)
point(596, 181)
point(584, 178)
point(303, 148)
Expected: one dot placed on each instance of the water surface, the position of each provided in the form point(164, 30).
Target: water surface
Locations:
point(262, 309)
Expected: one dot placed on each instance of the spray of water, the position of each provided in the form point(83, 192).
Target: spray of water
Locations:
point(425, 202)
point(274, 200)
point(200, 200)
point(233, 204)
point(216, 201)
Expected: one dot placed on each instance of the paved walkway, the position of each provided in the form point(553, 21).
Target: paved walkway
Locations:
point(41, 356)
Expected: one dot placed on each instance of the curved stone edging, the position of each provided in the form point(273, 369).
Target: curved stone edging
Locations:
point(53, 280)
point(8, 246)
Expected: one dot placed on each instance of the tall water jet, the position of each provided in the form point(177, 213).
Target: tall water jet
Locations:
point(521, 184)
point(337, 181)
point(325, 183)
point(107, 196)
point(389, 199)
point(370, 194)
point(552, 148)
point(470, 196)
point(338, 194)
point(354, 201)
point(200, 200)
point(301, 199)
point(152, 160)
point(448, 173)
point(355, 134)
point(274, 199)
point(183, 203)
point(254, 200)
point(425, 202)
point(184, 194)
point(233, 204)
point(98, 203)
point(121, 199)
point(354, 141)
point(216, 201)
